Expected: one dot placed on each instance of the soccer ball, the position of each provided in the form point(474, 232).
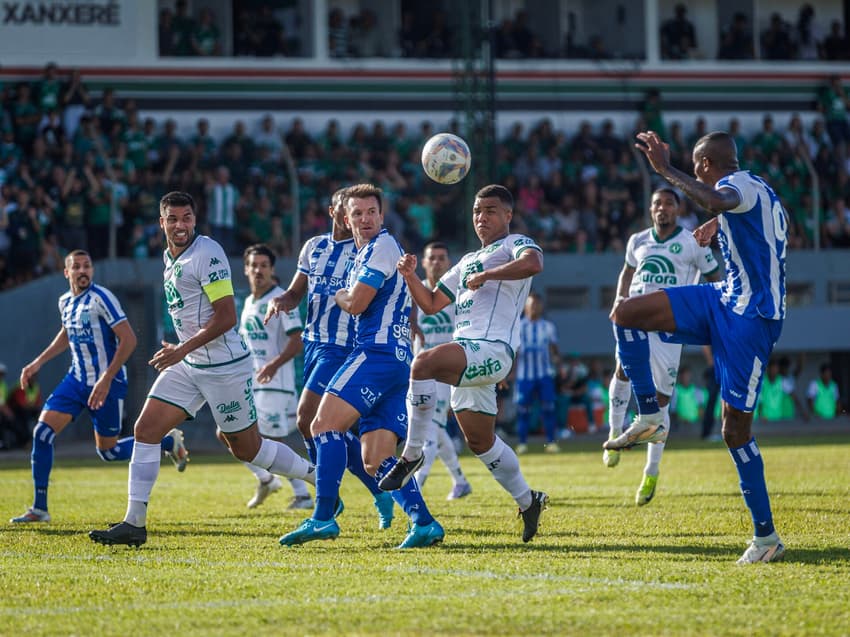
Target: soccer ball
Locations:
point(446, 158)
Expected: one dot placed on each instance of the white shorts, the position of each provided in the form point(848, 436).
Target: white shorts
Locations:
point(275, 412)
point(664, 359)
point(228, 390)
point(487, 363)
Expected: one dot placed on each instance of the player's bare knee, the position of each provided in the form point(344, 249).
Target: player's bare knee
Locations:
point(422, 367)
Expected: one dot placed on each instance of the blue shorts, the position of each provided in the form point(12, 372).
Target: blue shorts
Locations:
point(375, 383)
point(741, 346)
point(543, 387)
point(321, 362)
point(71, 397)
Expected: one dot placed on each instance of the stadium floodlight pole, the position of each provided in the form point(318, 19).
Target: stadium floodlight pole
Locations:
point(294, 193)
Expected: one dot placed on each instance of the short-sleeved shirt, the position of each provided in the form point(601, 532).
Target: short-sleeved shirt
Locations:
point(491, 312)
point(266, 342)
point(326, 264)
point(88, 320)
point(196, 279)
point(659, 264)
point(534, 360)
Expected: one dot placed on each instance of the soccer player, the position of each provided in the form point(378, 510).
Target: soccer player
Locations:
point(437, 329)
point(535, 372)
point(273, 348)
point(488, 287)
point(662, 256)
point(101, 340)
point(822, 395)
point(372, 382)
point(741, 318)
point(323, 265)
point(211, 363)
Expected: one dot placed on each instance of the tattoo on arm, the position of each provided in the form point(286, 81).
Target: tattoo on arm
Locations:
point(715, 201)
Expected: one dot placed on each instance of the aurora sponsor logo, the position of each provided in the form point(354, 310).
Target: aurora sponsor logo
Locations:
point(658, 270)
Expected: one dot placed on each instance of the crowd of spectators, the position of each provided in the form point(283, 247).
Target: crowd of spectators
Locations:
point(70, 162)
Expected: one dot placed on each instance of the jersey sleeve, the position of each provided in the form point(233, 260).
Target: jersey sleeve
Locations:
point(705, 260)
point(108, 306)
point(813, 390)
point(740, 183)
point(631, 261)
point(304, 256)
point(448, 283)
point(380, 264)
point(214, 273)
point(291, 322)
point(519, 243)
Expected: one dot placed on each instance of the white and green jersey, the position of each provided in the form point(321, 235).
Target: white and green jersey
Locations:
point(436, 328)
point(677, 260)
point(492, 311)
point(195, 280)
point(268, 341)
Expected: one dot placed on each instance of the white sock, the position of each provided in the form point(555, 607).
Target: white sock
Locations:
point(280, 459)
point(144, 469)
point(263, 475)
point(654, 450)
point(619, 395)
point(447, 453)
point(429, 451)
point(421, 403)
point(503, 463)
point(299, 488)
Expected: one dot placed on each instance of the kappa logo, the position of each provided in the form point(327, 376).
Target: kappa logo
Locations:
point(657, 269)
point(229, 408)
point(214, 261)
point(230, 418)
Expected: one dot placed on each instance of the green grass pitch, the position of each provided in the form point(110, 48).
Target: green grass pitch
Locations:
point(600, 565)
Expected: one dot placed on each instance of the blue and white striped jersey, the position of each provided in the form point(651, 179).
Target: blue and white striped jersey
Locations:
point(385, 323)
point(326, 264)
point(88, 319)
point(753, 242)
point(534, 360)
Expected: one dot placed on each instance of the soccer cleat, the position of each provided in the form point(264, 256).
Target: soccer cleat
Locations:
point(646, 490)
point(400, 474)
point(551, 447)
point(264, 490)
point(32, 515)
point(645, 428)
point(311, 530)
point(420, 536)
point(384, 503)
point(339, 508)
point(179, 454)
point(300, 502)
point(610, 458)
point(121, 533)
point(460, 490)
point(521, 448)
point(531, 516)
point(763, 549)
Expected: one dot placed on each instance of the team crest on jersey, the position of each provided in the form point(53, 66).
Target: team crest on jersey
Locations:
point(657, 269)
point(178, 270)
point(402, 355)
point(675, 248)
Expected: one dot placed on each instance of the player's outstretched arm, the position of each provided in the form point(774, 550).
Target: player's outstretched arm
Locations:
point(529, 263)
point(658, 154)
point(290, 299)
point(429, 301)
point(58, 345)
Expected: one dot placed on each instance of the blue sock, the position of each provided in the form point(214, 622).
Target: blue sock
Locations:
point(167, 444)
point(523, 420)
point(311, 450)
point(355, 463)
point(547, 412)
point(633, 353)
point(330, 466)
point(409, 498)
point(42, 462)
point(751, 472)
point(123, 449)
